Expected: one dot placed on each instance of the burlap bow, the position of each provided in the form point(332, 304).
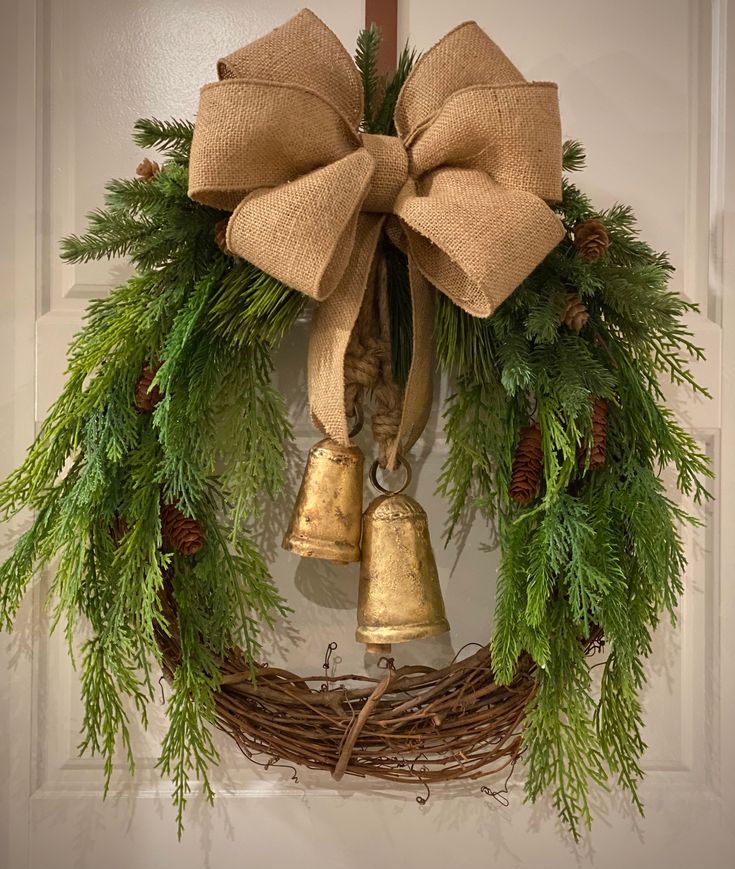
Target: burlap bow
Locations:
point(476, 158)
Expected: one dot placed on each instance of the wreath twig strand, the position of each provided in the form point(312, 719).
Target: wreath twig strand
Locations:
point(416, 724)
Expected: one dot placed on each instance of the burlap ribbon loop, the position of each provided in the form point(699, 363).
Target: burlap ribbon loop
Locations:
point(468, 178)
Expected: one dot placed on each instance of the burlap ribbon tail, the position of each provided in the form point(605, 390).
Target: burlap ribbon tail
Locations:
point(464, 185)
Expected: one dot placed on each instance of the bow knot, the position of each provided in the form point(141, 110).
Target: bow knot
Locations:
point(476, 159)
point(389, 174)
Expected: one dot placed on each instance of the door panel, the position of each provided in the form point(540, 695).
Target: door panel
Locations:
point(645, 87)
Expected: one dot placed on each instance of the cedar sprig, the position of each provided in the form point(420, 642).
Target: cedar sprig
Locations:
point(97, 460)
point(600, 548)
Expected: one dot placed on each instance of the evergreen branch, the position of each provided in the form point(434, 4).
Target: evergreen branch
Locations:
point(106, 678)
point(573, 157)
point(97, 464)
point(188, 748)
point(252, 307)
point(172, 137)
point(366, 60)
point(383, 119)
point(596, 548)
point(134, 194)
point(108, 236)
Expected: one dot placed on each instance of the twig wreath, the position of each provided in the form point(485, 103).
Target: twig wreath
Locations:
point(149, 475)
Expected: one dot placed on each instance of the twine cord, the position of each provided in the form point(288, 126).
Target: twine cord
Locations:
point(369, 371)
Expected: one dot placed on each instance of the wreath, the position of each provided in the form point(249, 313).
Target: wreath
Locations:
point(148, 477)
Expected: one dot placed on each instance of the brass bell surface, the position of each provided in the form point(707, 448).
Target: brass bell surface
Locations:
point(327, 518)
point(399, 596)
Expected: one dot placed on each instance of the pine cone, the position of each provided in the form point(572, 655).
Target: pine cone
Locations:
point(146, 398)
point(528, 465)
point(180, 532)
point(147, 169)
point(598, 450)
point(575, 314)
point(591, 240)
point(599, 434)
point(220, 236)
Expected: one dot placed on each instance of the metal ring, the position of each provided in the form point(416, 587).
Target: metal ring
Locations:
point(359, 420)
point(379, 487)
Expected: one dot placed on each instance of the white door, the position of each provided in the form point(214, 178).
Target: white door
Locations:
point(649, 87)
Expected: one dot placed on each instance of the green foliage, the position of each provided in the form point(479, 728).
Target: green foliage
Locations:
point(366, 60)
point(380, 93)
point(392, 88)
point(573, 157)
point(188, 747)
point(252, 308)
point(172, 137)
point(215, 446)
point(596, 550)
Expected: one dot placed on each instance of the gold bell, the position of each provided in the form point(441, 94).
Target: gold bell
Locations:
point(399, 597)
point(327, 518)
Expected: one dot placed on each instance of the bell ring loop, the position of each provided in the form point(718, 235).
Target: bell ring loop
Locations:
point(378, 486)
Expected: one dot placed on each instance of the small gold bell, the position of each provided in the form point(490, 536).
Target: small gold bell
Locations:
point(399, 596)
point(327, 518)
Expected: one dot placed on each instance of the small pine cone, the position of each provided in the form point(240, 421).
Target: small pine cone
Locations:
point(599, 434)
point(220, 236)
point(528, 465)
point(147, 169)
point(575, 314)
point(591, 240)
point(598, 450)
point(180, 532)
point(146, 398)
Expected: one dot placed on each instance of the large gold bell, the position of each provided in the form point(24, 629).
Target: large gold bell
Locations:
point(399, 596)
point(327, 518)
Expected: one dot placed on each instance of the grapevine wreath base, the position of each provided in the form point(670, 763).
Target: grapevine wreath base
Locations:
point(417, 724)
